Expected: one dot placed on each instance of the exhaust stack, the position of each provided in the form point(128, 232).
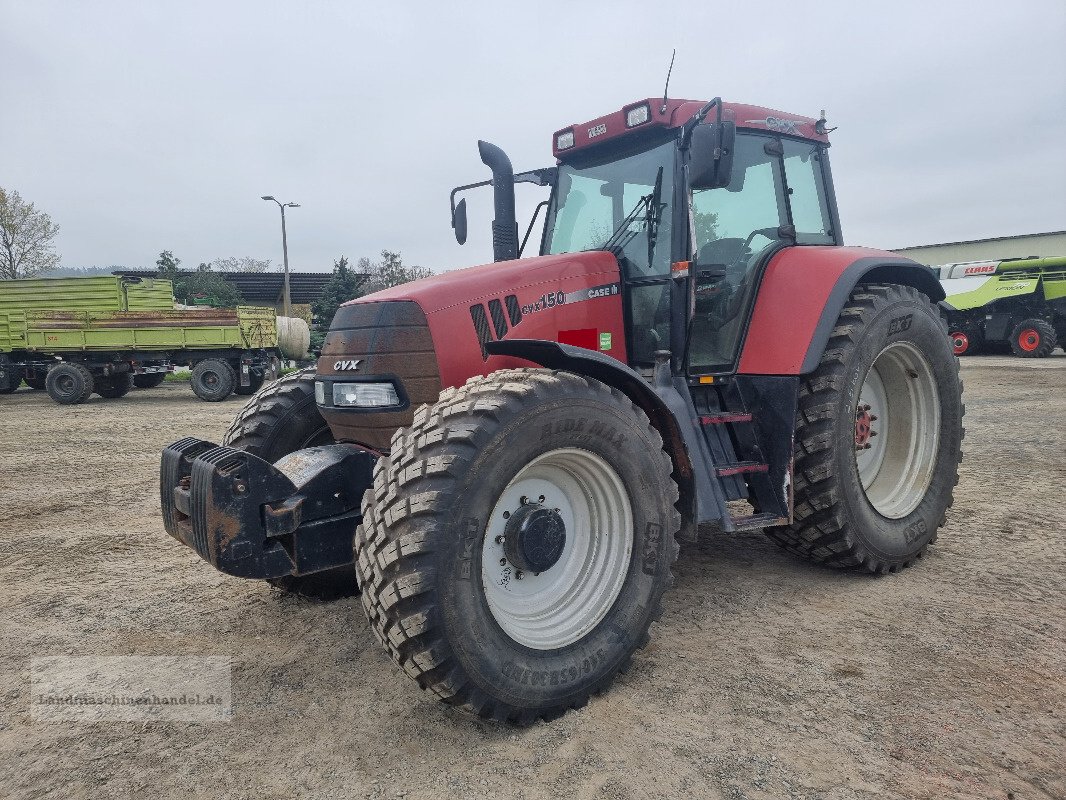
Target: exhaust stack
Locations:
point(504, 226)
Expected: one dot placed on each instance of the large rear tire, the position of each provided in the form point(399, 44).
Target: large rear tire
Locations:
point(69, 383)
point(517, 542)
point(878, 436)
point(1033, 338)
point(280, 420)
point(213, 379)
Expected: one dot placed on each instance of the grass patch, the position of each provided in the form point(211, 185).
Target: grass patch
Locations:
point(178, 377)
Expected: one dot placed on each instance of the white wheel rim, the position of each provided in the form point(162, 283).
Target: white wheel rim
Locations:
point(899, 405)
point(557, 607)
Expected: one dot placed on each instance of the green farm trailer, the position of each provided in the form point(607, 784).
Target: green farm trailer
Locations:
point(1020, 302)
point(77, 336)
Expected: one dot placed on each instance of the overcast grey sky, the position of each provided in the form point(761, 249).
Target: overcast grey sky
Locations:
point(142, 126)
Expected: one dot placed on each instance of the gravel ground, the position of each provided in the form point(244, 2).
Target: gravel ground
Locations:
point(766, 677)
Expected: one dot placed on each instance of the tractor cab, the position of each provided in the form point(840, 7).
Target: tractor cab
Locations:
point(693, 199)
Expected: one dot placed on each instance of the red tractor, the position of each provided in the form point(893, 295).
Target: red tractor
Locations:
point(509, 454)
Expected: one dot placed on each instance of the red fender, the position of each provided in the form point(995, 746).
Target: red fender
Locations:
point(803, 292)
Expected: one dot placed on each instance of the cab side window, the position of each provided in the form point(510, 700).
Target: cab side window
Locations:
point(806, 193)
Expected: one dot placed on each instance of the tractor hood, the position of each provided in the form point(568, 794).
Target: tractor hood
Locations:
point(425, 336)
point(471, 284)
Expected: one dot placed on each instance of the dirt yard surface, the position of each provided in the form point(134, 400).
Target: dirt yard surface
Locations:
point(766, 678)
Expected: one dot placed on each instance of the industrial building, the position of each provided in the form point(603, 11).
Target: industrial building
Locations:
point(1031, 245)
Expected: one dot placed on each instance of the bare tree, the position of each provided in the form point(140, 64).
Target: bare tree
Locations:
point(242, 264)
point(26, 236)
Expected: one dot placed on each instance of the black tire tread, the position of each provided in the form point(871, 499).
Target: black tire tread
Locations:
point(394, 543)
point(821, 530)
point(1047, 338)
point(269, 410)
point(87, 378)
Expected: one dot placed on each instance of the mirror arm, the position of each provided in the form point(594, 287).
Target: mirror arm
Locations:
point(545, 176)
point(686, 131)
point(529, 230)
point(458, 189)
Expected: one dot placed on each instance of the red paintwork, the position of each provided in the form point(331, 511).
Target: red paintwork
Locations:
point(678, 112)
point(792, 295)
point(446, 299)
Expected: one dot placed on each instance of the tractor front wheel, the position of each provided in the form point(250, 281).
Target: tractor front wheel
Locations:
point(878, 436)
point(517, 542)
point(1033, 338)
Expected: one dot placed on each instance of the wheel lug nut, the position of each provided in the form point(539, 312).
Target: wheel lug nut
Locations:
point(506, 514)
point(503, 562)
point(500, 539)
point(873, 418)
point(866, 446)
point(519, 575)
point(540, 499)
point(873, 433)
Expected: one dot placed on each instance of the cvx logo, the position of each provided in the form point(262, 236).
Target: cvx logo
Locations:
point(349, 364)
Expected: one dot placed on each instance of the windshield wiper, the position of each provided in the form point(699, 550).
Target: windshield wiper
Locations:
point(622, 231)
point(655, 213)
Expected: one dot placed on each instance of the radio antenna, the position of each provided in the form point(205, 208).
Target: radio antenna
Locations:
point(667, 87)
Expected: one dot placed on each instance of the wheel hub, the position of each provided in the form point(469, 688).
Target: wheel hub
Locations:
point(1029, 340)
point(864, 427)
point(534, 538)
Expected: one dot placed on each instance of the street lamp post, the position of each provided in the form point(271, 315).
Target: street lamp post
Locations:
point(285, 251)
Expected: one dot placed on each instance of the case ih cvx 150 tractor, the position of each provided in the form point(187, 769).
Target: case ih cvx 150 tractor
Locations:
point(510, 453)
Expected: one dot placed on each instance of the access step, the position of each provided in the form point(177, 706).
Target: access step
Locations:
point(721, 419)
point(741, 468)
point(758, 521)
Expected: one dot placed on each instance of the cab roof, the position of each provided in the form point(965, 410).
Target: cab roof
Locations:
point(611, 127)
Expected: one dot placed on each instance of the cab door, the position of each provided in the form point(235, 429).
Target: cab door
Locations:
point(776, 198)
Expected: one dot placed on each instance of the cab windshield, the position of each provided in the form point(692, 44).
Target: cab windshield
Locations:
point(621, 204)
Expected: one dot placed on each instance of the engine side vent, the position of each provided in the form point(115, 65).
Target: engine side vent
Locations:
point(499, 322)
point(514, 310)
point(481, 327)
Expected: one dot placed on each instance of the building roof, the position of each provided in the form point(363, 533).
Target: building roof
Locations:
point(979, 241)
point(263, 287)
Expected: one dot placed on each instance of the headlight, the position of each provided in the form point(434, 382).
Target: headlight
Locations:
point(364, 395)
point(564, 140)
point(637, 116)
point(320, 393)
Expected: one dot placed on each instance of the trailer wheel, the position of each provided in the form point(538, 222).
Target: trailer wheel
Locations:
point(1032, 338)
point(114, 386)
point(149, 380)
point(213, 379)
point(282, 419)
point(878, 436)
point(69, 383)
point(517, 542)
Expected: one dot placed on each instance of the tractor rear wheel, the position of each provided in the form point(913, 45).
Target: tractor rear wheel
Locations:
point(213, 379)
point(114, 386)
point(149, 380)
point(282, 419)
point(517, 542)
point(69, 383)
point(1033, 338)
point(878, 436)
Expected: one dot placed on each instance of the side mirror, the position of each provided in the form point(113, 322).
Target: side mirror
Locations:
point(459, 221)
point(710, 162)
